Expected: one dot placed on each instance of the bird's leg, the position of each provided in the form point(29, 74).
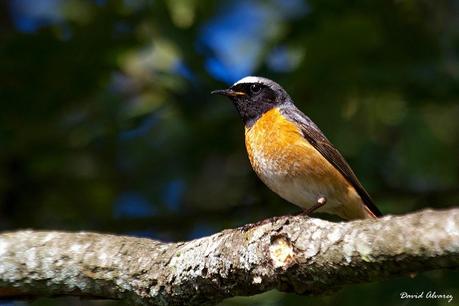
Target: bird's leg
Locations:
point(321, 201)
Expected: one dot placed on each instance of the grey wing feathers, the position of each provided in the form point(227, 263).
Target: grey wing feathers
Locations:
point(317, 139)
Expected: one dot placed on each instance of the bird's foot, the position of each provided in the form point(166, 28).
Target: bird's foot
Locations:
point(321, 201)
point(249, 226)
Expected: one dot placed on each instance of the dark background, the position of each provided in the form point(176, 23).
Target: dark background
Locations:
point(107, 124)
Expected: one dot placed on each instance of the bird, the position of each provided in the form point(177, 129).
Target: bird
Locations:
point(292, 156)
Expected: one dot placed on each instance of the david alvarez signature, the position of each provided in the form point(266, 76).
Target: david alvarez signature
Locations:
point(426, 295)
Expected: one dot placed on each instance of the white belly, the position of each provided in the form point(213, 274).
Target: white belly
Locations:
point(293, 185)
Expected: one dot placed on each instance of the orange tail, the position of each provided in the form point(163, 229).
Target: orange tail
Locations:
point(369, 214)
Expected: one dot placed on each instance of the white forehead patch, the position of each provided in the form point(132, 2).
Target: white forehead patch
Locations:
point(250, 79)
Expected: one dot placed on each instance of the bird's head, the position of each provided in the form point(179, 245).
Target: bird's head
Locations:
point(253, 96)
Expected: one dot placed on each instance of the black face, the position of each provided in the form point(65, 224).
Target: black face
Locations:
point(253, 99)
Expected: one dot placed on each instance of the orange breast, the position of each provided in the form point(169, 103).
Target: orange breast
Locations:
point(275, 144)
point(290, 166)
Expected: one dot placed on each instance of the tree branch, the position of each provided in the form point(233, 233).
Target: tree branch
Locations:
point(291, 253)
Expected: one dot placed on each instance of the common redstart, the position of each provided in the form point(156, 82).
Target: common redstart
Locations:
point(291, 155)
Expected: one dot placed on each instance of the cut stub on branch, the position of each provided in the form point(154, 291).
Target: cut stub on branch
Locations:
point(292, 253)
point(281, 251)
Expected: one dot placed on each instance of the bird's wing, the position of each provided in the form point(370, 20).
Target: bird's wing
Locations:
point(318, 140)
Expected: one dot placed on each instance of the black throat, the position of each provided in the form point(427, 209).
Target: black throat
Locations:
point(251, 112)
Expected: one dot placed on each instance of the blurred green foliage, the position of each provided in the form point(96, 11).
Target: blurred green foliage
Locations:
point(107, 124)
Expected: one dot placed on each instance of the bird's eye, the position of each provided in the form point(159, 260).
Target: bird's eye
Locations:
point(255, 88)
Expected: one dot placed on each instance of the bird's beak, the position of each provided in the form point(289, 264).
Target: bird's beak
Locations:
point(228, 92)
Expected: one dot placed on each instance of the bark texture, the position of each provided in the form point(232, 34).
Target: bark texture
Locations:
point(291, 253)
